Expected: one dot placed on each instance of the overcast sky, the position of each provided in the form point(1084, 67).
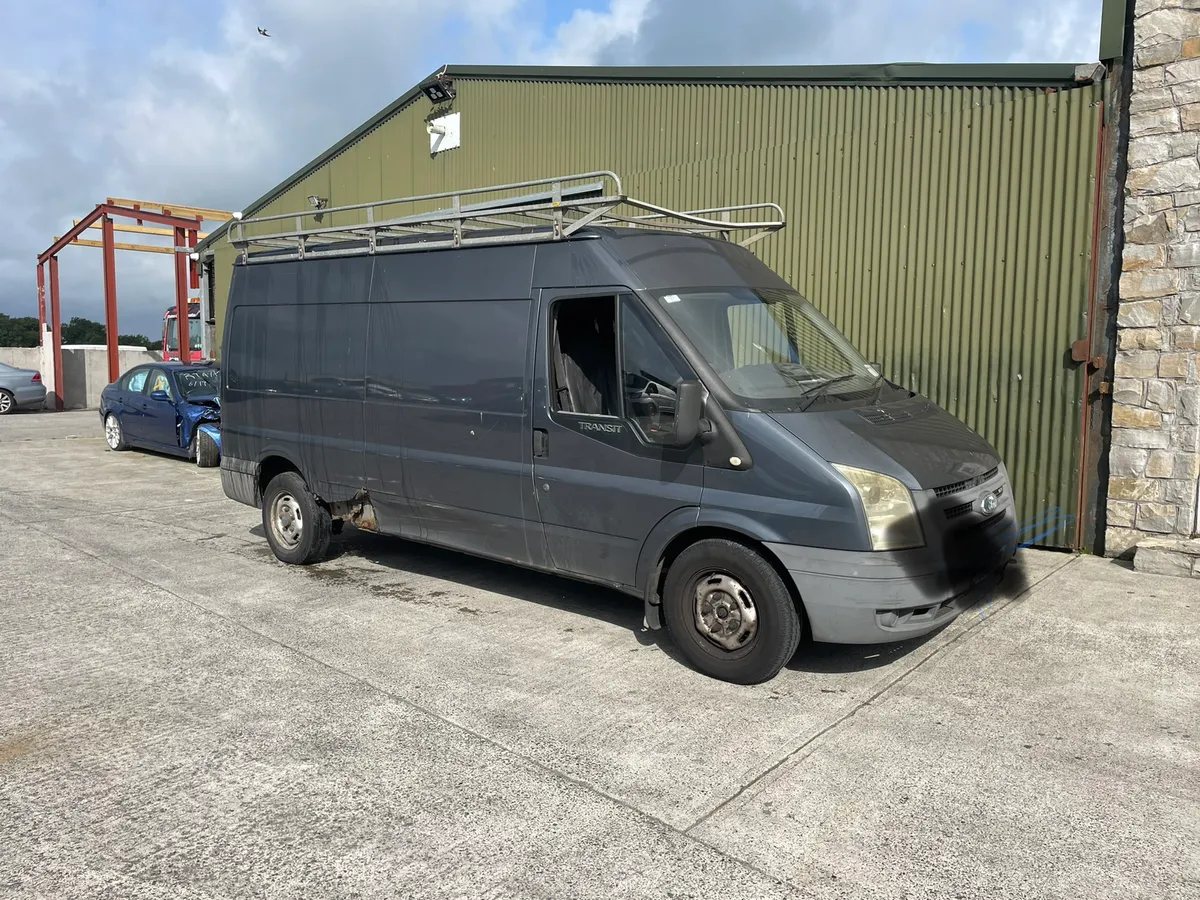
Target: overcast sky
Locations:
point(161, 100)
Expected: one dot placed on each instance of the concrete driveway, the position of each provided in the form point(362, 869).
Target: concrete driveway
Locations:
point(181, 716)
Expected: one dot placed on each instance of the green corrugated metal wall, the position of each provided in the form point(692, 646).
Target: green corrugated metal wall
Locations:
point(946, 230)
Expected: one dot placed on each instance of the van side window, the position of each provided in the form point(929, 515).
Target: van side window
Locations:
point(649, 376)
point(583, 371)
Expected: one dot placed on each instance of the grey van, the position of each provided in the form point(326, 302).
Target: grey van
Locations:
point(649, 407)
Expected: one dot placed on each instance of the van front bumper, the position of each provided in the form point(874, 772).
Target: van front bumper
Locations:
point(860, 597)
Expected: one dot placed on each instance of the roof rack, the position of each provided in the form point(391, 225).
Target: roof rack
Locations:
point(565, 206)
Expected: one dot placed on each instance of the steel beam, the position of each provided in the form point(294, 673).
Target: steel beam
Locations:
point(63, 241)
point(140, 248)
point(56, 333)
point(140, 229)
point(193, 266)
point(110, 300)
point(118, 211)
point(41, 284)
point(190, 212)
point(181, 298)
point(141, 215)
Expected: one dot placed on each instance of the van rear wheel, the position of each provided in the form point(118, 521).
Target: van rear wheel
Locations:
point(296, 525)
point(729, 612)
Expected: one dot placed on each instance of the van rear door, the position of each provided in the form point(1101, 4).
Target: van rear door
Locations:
point(604, 474)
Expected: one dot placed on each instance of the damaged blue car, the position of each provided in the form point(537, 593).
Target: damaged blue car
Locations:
point(170, 407)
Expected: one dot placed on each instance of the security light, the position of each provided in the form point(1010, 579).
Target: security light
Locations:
point(317, 202)
point(439, 91)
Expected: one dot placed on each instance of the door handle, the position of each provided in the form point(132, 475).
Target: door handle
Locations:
point(541, 442)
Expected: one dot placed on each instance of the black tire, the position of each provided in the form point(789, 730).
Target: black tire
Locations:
point(727, 563)
point(114, 433)
point(8, 403)
point(204, 450)
point(307, 539)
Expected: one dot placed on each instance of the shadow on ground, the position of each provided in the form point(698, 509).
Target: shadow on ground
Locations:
point(597, 602)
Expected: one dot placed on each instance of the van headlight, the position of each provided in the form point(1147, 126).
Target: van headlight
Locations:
point(891, 516)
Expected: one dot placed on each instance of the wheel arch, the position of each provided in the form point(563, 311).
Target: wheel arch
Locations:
point(676, 533)
point(271, 463)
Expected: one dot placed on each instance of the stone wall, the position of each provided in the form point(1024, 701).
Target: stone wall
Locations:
point(1155, 456)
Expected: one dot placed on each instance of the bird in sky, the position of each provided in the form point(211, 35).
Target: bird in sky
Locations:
point(263, 32)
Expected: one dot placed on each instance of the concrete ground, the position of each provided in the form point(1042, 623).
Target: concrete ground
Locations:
point(181, 716)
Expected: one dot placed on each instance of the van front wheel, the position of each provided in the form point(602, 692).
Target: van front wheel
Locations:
point(296, 525)
point(729, 612)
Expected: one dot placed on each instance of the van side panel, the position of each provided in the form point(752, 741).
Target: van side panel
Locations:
point(448, 429)
point(295, 370)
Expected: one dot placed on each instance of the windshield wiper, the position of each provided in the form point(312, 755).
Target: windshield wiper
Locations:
point(820, 389)
point(796, 378)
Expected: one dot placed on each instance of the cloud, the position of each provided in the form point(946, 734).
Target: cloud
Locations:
point(583, 39)
point(175, 102)
point(207, 115)
point(829, 32)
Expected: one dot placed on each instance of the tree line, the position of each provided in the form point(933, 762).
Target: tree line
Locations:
point(22, 331)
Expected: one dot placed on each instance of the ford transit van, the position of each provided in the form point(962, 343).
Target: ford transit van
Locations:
point(627, 398)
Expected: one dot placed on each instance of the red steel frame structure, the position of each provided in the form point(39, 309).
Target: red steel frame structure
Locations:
point(187, 275)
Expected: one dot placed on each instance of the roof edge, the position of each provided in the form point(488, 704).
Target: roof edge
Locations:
point(909, 74)
point(905, 74)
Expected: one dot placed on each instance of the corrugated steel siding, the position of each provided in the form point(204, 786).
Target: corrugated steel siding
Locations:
point(947, 231)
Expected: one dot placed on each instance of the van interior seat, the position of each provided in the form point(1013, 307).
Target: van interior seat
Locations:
point(585, 351)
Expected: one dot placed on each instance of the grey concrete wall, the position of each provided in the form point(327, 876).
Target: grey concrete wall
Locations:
point(85, 370)
point(1155, 454)
point(22, 357)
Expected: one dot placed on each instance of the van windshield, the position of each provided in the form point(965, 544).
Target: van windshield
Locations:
point(194, 336)
point(771, 347)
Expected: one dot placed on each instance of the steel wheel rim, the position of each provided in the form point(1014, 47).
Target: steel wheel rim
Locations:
point(112, 431)
point(287, 521)
point(5, 402)
point(725, 612)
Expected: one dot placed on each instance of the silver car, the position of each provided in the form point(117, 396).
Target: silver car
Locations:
point(20, 389)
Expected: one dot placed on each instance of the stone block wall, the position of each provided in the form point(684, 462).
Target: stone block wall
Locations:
point(1154, 461)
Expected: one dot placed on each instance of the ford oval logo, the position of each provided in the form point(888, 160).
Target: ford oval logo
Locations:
point(989, 503)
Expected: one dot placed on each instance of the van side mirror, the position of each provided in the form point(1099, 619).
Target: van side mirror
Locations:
point(689, 407)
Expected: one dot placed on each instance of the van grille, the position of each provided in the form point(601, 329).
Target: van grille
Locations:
point(947, 489)
point(954, 512)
